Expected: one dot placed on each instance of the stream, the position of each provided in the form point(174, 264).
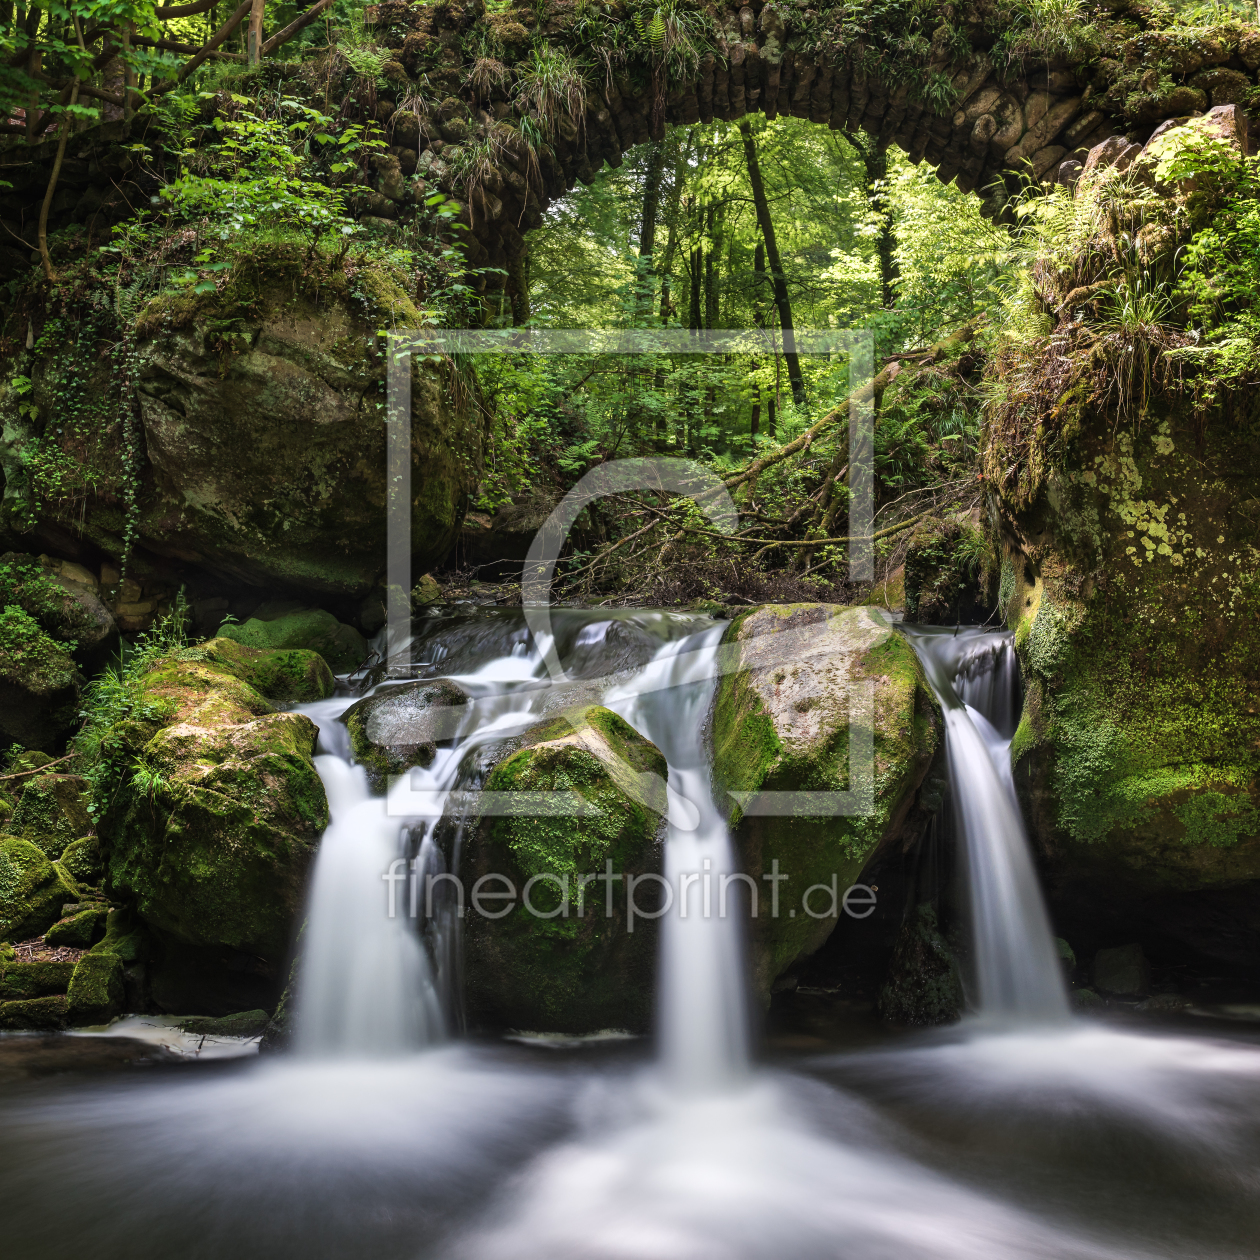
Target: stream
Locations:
point(1023, 1131)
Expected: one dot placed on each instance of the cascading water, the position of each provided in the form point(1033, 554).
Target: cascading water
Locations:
point(975, 676)
point(369, 984)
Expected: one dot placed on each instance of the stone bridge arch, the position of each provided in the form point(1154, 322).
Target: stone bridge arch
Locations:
point(948, 86)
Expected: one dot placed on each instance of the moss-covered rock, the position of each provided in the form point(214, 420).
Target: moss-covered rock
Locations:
point(43, 1014)
point(578, 970)
point(21, 980)
point(64, 599)
point(1132, 581)
point(285, 675)
point(211, 833)
point(52, 812)
point(82, 858)
point(399, 727)
point(95, 994)
point(923, 986)
point(264, 421)
point(125, 937)
point(39, 683)
point(946, 576)
point(342, 646)
point(79, 931)
point(238, 1024)
point(781, 723)
point(32, 890)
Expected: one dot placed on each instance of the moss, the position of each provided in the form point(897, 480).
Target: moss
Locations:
point(213, 842)
point(95, 994)
point(241, 1024)
point(580, 971)
point(39, 691)
point(32, 890)
point(341, 646)
point(781, 724)
point(82, 858)
point(34, 979)
point(125, 937)
point(52, 812)
point(79, 931)
point(45, 1014)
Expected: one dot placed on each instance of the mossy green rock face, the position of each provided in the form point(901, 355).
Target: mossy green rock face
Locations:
point(45, 1014)
point(79, 931)
point(52, 812)
point(32, 890)
point(342, 646)
point(238, 1024)
point(95, 994)
point(582, 971)
point(399, 727)
point(944, 578)
point(1132, 581)
point(286, 676)
point(790, 674)
point(264, 424)
point(19, 981)
point(212, 842)
point(39, 683)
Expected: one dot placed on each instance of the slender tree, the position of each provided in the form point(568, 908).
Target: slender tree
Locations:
point(777, 279)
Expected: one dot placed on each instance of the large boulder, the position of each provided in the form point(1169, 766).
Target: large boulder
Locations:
point(1132, 582)
point(32, 890)
point(39, 683)
point(212, 825)
point(342, 646)
point(262, 450)
point(568, 965)
point(792, 675)
point(65, 599)
point(52, 812)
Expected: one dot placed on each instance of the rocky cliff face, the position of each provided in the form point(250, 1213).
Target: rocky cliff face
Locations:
point(257, 451)
point(1132, 580)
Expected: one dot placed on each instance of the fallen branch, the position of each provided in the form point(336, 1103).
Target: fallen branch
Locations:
point(299, 23)
point(23, 774)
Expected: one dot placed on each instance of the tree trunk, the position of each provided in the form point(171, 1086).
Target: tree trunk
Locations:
point(876, 164)
point(647, 233)
point(518, 285)
point(777, 278)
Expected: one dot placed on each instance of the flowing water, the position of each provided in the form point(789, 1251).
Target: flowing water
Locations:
point(388, 1135)
point(975, 676)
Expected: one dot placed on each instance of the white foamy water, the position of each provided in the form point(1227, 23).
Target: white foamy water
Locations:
point(1018, 975)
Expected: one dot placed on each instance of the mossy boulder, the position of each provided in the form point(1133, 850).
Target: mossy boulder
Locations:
point(32, 890)
point(790, 676)
point(1132, 581)
point(264, 423)
point(569, 967)
point(52, 812)
point(923, 985)
point(342, 646)
point(82, 859)
point(946, 573)
point(64, 599)
point(81, 930)
point(399, 726)
point(43, 1014)
point(95, 994)
point(211, 833)
point(22, 980)
point(39, 682)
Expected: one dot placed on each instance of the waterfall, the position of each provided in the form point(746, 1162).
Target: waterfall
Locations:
point(372, 983)
point(702, 1003)
point(975, 676)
